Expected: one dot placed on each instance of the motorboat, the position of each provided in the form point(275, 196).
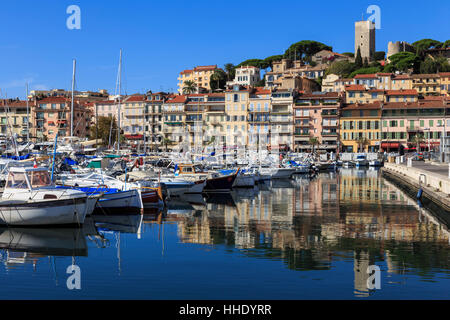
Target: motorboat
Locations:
point(375, 163)
point(31, 199)
point(361, 161)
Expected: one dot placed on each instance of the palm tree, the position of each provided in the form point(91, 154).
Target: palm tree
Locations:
point(229, 68)
point(313, 141)
point(417, 140)
point(362, 143)
point(189, 87)
point(166, 141)
point(216, 77)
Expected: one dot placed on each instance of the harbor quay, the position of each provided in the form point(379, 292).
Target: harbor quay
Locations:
point(427, 179)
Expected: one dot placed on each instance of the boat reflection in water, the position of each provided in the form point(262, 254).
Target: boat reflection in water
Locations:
point(354, 215)
point(327, 229)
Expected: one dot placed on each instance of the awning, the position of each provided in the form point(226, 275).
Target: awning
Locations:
point(432, 143)
point(394, 145)
point(134, 136)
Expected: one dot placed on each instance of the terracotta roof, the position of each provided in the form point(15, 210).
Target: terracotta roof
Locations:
point(53, 100)
point(355, 87)
point(444, 74)
point(401, 92)
point(261, 90)
point(205, 68)
point(365, 76)
point(135, 98)
point(365, 106)
point(424, 75)
point(186, 71)
point(178, 99)
point(418, 104)
point(320, 96)
point(401, 76)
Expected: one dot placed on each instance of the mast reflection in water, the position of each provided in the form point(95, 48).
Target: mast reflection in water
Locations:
point(293, 239)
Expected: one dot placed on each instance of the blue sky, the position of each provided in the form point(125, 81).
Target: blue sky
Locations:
point(161, 38)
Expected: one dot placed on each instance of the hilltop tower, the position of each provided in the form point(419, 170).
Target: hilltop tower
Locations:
point(365, 38)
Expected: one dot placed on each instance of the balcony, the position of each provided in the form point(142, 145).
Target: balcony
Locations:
point(328, 133)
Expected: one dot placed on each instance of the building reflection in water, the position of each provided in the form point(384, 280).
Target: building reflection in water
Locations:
point(351, 215)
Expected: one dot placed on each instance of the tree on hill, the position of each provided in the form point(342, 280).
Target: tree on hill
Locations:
point(358, 59)
point(434, 65)
point(269, 60)
point(425, 44)
point(446, 44)
point(403, 61)
point(305, 48)
point(379, 55)
point(368, 70)
point(255, 63)
point(349, 54)
point(340, 68)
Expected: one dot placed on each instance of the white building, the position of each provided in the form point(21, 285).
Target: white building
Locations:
point(246, 76)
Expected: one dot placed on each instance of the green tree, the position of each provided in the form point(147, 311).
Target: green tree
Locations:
point(349, 54)
point(270, 60)
point(416, 140)
point(340, 68)
point(446, 44)
point(166, 142)
point(314, 142)
point(218, 80)
point(425, 44)
point(305, 48)
point(255, 63)
point(368, 70)
point(379, 55)
point(230, 70)
point(362, 144)
point(434, 65)
point(403, 61)
point(104, 129)
point(366, 63)
point(189, 87)
point(358, 59)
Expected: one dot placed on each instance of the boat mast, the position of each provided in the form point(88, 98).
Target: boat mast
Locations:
point(71, 104)
point(118, 108)
point(28, 119)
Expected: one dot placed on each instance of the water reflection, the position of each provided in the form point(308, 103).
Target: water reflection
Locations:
point(352, 216)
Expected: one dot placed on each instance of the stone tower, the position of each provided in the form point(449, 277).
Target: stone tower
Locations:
point(365, 38)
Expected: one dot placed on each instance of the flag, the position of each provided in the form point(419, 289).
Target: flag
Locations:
point(176, 171)
point(34, 163)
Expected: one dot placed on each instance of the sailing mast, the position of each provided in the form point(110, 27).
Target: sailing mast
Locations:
point(28, 119)
point(71, 104)
point(118, 108)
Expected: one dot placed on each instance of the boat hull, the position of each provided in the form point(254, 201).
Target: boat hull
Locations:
point(43, 213)
point(220, 184)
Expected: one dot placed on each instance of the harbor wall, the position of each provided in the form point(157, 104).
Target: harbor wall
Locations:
point(436, 187)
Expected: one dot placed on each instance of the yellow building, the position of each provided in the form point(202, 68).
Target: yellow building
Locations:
point(14, 117)
point(357, 93)
point(236, 108)
point(401, 82)
point(201, 75)
point(426, 84)
point(445, 83)
point(359, 122)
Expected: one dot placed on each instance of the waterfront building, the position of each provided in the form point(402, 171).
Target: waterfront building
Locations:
point(14, 117)
point(402, 121)
point(80, 95)
point(174, 121)
point(104, 108)
point(53, 115)
point(281, 116)
point(201, 75)
point(246, 76)
point(154, 119)
point(317, 116)
point(259, 118)
point(360, 127)
point(236, 108)
point(132, 119)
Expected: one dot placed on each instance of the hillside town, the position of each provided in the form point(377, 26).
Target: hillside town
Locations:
point(300, 100)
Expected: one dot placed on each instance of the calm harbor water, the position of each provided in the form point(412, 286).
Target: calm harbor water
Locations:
point(297, 239)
